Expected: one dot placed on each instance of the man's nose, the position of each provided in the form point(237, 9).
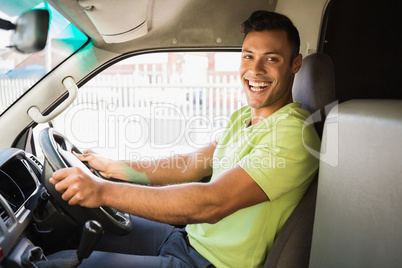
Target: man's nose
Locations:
point(257, 67)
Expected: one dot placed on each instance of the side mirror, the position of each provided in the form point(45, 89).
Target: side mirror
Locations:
point(30, 31)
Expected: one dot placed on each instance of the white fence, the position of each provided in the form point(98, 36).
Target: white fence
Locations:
point(152, 101)
point(12, 89)
point(119, 116)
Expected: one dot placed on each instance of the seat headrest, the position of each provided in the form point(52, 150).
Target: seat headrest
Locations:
point(314, 86)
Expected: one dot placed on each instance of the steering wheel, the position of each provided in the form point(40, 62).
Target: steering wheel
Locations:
point(57, 150)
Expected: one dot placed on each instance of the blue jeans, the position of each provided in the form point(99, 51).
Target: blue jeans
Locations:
point(149, 244)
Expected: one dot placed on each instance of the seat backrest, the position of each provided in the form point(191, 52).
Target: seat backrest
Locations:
point(292, 245)
point(358, 218)
point(314, 87)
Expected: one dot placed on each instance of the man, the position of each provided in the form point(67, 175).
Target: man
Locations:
point(260, 170)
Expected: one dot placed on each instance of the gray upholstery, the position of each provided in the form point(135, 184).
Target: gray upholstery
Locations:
point(292, 246)
point(358, 220)
point(314, 88)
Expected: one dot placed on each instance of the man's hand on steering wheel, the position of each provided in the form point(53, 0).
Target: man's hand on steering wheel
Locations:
point(95, 162)
point(78, 187)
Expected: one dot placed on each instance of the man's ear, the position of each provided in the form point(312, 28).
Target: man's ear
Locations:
point(297, 63)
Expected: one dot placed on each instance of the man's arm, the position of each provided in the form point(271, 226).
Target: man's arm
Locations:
point(169, 170)
point(175, 204)
point(179, 168)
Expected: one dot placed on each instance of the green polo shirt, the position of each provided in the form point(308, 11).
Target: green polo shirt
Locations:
point(273, 152)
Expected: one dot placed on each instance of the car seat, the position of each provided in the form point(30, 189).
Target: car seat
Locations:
point(358, 213)
point(314, 87)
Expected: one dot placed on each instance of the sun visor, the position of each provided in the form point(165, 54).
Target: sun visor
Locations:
point(116, 24)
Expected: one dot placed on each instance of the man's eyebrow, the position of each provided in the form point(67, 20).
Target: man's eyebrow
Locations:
point(266, 53)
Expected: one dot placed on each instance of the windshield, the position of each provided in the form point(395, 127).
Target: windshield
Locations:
point(19, 72)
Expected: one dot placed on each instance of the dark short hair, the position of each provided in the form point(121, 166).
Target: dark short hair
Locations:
point(262, 20)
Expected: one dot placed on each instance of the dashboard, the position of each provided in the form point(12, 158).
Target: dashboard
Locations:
point(20, 174)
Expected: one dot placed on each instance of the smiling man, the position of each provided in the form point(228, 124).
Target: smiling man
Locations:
point(259, 171)
point(267, 69)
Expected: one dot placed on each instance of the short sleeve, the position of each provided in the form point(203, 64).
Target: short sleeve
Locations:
point(280, 162)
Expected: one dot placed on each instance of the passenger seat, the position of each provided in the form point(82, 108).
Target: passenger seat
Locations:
point(358, 218)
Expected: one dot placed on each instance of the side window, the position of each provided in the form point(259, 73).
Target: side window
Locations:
point(155, 105)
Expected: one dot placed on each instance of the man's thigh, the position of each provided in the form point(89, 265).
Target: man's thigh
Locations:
point(146, 238)
point(174, 253)
point(149, 244)
point(106, 259)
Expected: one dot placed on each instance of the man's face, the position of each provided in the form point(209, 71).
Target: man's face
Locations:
point(267, 69)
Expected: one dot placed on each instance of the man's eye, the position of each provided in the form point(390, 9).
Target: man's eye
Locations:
point(247, 57)
point(272, 59)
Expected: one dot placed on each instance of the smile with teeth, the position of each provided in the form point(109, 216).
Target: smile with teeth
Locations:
point(258, 86)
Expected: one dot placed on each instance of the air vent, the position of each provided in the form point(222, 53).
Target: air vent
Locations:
point(36, 161)
point(4, 215)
